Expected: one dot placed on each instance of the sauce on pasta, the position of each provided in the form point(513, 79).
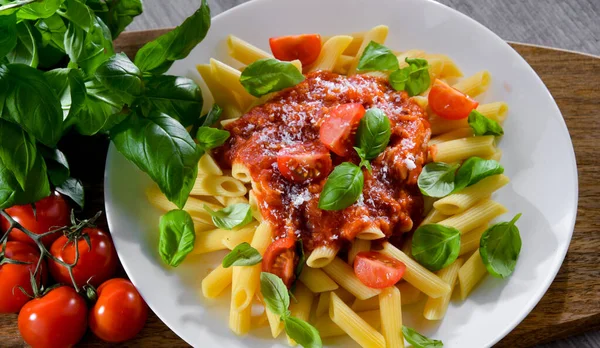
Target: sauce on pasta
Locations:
point(391, 199)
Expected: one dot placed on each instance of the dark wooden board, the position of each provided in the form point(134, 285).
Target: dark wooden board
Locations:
point(571, 305)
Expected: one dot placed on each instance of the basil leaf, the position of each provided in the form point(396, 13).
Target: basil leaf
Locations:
point(213, 116)
point(79, 13)
point(36, 185)
point(57, 165)
point(364, 162)
point(30, 102)
point(53, 31)
point(482, 125)
point(118, 73)
point(17, 151)
point(69, 87)
point(39, 9)
point(89, 49)
point(377, 57)
point(437, 179)
point(499, 248)
point(8, 33)
point(177, 237)
point(342, 188)
point(118, 14)
point(25, 52)
point(242, 255)
point(157, 56)
point(475, 169)
point(235, 215)
point(419, 341)
point(414, 78)
point(269, 75)
point(373, 134)
point(302, 332)
point(72, 188)
point(435, 246)
point(275, 294)
point(161, 147)
point(209, 137)
point(178, 97)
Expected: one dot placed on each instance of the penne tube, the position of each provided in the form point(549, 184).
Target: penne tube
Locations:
point(227, 201)
point(462, 149)
point(221, 95)
point(241, 172)
point(458, 133)
point(410, 294)
point(208, 166)
point(470, 274)
point(467, 197)
point(324, 300)
point(301, 308)
point(474, 85)
point(391, 317)
point(442, 67)
point(371, 233)
point(409, 54)
point(377, 34)
point(330, 52)
point(365, 305)
point(356, 327)
point(495, 111)
point(235, 237)
point(433, 217)
point(254, 206)
point(419, 276)
point(216, 281)
point(435, 308)
point(316, 280)
point(354, 46)
point(244, 52)
point(327, 328)
point(194, 206)
point(343, 64)
point(343, 274)
point(230, 77)
point(470, 241)
point(321, 256)
point(275, 323)
point(357, 246)
point(478, 214)
point(212, 185)
point(209, 241)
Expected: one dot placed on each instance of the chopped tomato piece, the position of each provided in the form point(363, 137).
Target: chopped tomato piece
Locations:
point(281, 259)
point(337, 128)
point(305, 47)
point(376, 270)
point(450, 103)
point(302, 163)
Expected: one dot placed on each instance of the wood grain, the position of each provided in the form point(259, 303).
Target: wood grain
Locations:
point(571, 305)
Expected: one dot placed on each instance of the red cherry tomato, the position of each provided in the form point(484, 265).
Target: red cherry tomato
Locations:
point(281, 259)
point(339, 126)
point(448, 102)
point(376, 270)
point(304, 47)
point(13, 275)
point(120, 312)
point(303, 163)
point(96, 264)
point(56, 320)
point(51, 212)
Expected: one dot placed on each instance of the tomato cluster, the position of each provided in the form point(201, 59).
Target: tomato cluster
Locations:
point(59, 316)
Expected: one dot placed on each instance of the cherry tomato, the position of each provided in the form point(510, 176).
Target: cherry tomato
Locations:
point(376, 270)
point(337, 128)
point(51, 212)
point(450, 103)
point(303, 163)
point(13, 275)
point(96, 264)
point(120, 312)
point(304, 47)
point(57, 319)
point(281, 259)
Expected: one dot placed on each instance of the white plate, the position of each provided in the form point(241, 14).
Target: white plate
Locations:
point(538, 157)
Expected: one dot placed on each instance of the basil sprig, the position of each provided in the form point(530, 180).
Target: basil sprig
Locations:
point(499, 248)
point(177, 237)
point(269, 75)
point(277, 300)
point(419, 341)
point(342, 188)
point(414, 79)
point(482, 125)
point(209, 137)
point(242, 255)
point(435, 246)
point(373, 133)
point(235, 215)
point(439, 179)
point(377, 57)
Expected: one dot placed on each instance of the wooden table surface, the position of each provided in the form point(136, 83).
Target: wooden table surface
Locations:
point(572, 304)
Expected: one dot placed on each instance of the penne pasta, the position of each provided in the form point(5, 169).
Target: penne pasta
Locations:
point(244, 52)
point(458, 133)
point(235, 237)
point(240, 172)
point(470, 241)
point(321, 256)
point(435, 308)
point(208, 166)
point(478, 214)
point(216, 281)
point(442, 67)
point(356, 247)
point(470, 274)
point(356, 327)
point(212, 185)
point(377, 34)
point(327, 328)
point(495, 111)
point(301, 308)
point(194, 206)
point(433, 217)
point(467, 197)
point(462, 149)
point(316, 280)
point(474, 85)
point(330, 52)
point(371, 233)
point(410, 294)
point(344, 275)
point(391, 317)
point(227, 201)
point(209, 241)
point(254, 205)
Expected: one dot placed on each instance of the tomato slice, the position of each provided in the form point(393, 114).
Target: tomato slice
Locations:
point(302, 163)
point(337, 128)
point(376, 270)
point(450, 103)
point(305, 47)
point(281, 259)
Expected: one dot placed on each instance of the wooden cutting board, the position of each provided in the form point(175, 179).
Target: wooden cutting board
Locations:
point(571, 305)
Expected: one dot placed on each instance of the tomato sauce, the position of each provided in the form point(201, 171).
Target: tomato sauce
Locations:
point(391, 199)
